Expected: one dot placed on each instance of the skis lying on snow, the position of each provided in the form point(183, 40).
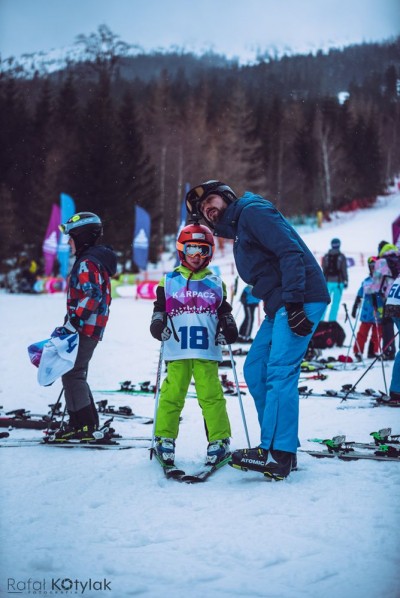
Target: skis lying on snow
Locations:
point(172, 472)
point(123, 412)
point(386, 447)
point(346, 392)
point(21, 418)
point(315, 366)
point(238, 351)
point(146, 388)
point(114, 444)
point(139, 389)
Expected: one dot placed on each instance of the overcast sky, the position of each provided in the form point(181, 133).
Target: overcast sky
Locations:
point(238, 28)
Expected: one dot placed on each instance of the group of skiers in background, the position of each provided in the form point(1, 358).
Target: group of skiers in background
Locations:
point(368, 307)
point(193, 319)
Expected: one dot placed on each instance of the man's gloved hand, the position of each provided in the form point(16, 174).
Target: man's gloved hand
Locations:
point(297, 319)
point(355, 307)
point(158, 326)
point(227, 331)
point(67, 328)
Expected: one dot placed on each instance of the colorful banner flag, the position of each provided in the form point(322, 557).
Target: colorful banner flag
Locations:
point(141, 238)
point(50, 242)
point(183, 217)
point(67, 210)
point(396, 231)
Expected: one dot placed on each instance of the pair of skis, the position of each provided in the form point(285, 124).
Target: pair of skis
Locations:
point(172, 472)
point(140, 389)
point(21, 418)
point(346, 392)
point(385, 447)
point(121, 413)
point(116, 443)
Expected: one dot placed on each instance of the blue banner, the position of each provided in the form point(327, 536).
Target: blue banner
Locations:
point(141, 238)
point(182, 222)
point(67, 210)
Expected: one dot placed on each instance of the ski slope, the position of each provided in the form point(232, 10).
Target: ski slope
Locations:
point(111, 518)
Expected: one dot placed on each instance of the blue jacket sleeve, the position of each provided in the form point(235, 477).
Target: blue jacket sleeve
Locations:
point(269, 230)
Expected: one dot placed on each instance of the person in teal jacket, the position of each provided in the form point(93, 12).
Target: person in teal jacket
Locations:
point(334, 267)
point(272, 257)
point(193, 319)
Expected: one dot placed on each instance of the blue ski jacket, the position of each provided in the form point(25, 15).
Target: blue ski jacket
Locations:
point(270, 255)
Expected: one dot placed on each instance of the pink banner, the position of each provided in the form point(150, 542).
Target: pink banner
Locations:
point(50, 243)
point(146, 290)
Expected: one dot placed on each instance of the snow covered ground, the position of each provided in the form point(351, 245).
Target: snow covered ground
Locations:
point(110, 517)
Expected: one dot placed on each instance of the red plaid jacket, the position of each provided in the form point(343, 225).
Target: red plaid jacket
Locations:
point(89, 291)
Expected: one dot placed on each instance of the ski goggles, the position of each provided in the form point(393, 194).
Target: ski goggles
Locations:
point(201, 249)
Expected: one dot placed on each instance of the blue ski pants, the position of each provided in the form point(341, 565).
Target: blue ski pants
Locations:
point(272, 371)
point(335, 290)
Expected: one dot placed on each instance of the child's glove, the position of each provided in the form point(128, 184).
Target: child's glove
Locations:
point(227, 331)
point(355, 307)
point(297, 319)
point(158, 326)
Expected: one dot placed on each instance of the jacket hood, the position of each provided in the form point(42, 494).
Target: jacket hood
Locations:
point(104, 254)
point(227, 226)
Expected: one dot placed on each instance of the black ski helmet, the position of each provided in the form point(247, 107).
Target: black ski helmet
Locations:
point(197, 194)
point(84, 227)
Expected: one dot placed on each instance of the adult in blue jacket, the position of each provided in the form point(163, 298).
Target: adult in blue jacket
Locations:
point(270, 256)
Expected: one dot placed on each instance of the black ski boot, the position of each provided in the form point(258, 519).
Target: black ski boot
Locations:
point(273, 463)
point(394, 398)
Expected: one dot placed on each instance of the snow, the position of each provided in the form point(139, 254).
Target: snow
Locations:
point(112, 518)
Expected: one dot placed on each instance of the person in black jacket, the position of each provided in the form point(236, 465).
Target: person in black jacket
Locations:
point(272, 257)
point(334, 267)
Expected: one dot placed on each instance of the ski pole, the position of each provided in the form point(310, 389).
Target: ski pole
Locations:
point(353, 334)
point(53, 411)
point(156, 398)
point(369, 367)
point(239, 395)
point(375, 309)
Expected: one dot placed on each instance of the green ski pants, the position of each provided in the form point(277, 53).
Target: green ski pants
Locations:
point(209, 395)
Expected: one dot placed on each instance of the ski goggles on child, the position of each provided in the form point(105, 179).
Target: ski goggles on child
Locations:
point(201, 249)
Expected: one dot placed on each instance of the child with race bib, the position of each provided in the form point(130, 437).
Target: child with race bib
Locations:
point(193, 319)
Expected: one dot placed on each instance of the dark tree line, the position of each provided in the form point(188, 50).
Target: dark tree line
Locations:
point(112, 142)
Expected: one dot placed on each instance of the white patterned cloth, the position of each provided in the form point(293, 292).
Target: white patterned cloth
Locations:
point(58, 358)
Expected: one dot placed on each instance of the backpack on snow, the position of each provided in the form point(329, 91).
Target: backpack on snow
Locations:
point(326, 335)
